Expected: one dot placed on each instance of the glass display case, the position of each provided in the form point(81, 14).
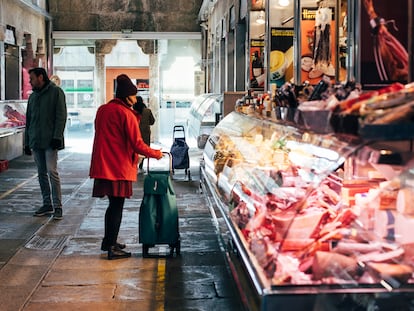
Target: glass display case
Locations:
point(321, 216)
point(204, 114)
point(12, 115)
point(12, 124)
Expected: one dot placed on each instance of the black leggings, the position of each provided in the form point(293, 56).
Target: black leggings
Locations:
point(113, 218)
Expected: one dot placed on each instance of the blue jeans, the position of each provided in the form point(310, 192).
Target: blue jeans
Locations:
point(46, 161)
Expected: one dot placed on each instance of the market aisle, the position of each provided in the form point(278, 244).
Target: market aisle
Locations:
point(58, 265)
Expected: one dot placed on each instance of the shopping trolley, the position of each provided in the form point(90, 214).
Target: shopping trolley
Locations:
point(158, 214)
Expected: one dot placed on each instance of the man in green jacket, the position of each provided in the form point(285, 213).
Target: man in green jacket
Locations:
point(45, 123)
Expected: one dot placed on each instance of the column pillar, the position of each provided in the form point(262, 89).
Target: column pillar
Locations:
point(154, 99)
point(99, 80)
point(102, 47)
point(149, 47)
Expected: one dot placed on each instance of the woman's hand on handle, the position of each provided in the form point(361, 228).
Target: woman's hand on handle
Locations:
point(160, 155)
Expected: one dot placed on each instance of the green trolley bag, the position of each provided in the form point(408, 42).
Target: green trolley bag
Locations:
point(158, 214)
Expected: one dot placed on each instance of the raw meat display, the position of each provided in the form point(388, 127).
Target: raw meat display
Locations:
point(13, 117)
point(300, 222)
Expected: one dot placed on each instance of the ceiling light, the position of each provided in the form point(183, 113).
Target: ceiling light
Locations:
point(261, 18)
point(284, 2)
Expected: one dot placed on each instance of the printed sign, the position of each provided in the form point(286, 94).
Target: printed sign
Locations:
point(383, 41)
point(318, 46)
point(281, 55)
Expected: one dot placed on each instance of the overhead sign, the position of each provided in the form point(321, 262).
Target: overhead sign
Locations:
point(10, 38)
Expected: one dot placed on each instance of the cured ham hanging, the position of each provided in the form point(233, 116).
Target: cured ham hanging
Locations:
point(322, 43)
point(391, 57)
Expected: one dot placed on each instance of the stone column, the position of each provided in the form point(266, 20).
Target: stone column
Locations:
point(149, 47)
point(102, 47)
point(99, 79)
point(154, 99)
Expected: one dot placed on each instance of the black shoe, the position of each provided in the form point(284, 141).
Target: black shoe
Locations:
point(117, 253)
point(45, 210)
point(105, 247)
point(58, 214)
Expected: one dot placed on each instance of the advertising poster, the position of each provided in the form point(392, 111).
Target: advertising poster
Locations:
point(142, 84)
point(143, 89)
point(281, 55)
point(384, 41)
point(257, 72)
point(318, 48)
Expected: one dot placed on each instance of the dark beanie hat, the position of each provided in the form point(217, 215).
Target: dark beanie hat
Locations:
point(124, 86)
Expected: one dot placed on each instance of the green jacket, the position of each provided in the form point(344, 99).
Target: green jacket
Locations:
point(147, 119)
point(46, 116)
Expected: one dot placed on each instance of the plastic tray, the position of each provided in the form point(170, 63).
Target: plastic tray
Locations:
point(397, 131)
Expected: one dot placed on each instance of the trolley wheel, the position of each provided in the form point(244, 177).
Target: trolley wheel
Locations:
point(145, 249)
point(178, 248)
point(171, 254)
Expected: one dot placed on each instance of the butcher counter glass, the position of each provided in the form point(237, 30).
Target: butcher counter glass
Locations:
point(312, 214)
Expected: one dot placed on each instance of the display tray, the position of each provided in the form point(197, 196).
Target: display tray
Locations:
point(360, 288)
point(344, 124)
point(397, 131)
point(385, 285)
point(317, 121)
point(252, 265)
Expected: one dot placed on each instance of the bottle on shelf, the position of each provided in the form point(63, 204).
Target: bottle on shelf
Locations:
point(257, 65)
point(259, 104)
point(250, 102)
point(320, 88)
point(267, 105)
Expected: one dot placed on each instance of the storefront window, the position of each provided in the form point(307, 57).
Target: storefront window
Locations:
point(315, 32)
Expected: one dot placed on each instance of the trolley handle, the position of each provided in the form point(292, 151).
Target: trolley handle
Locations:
point(164, 153)
point(178, 128)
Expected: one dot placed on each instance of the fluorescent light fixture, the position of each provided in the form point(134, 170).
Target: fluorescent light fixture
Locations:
point(261, 18)
point(284, 2)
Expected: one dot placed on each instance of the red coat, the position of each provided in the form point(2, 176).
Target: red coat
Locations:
point(117, 143)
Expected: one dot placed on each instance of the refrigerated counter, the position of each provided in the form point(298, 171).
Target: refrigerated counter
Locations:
point(12, 125)
point(312, 222)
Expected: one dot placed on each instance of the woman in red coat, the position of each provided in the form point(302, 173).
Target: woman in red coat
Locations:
point(116, 146)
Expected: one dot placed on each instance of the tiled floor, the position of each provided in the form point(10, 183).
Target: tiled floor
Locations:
point(57, 265)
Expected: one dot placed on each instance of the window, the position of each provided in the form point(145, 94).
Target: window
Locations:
point(70, 100)
point(85, 100)
point(85, 85)
point(67, 85)
point(182, 104)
